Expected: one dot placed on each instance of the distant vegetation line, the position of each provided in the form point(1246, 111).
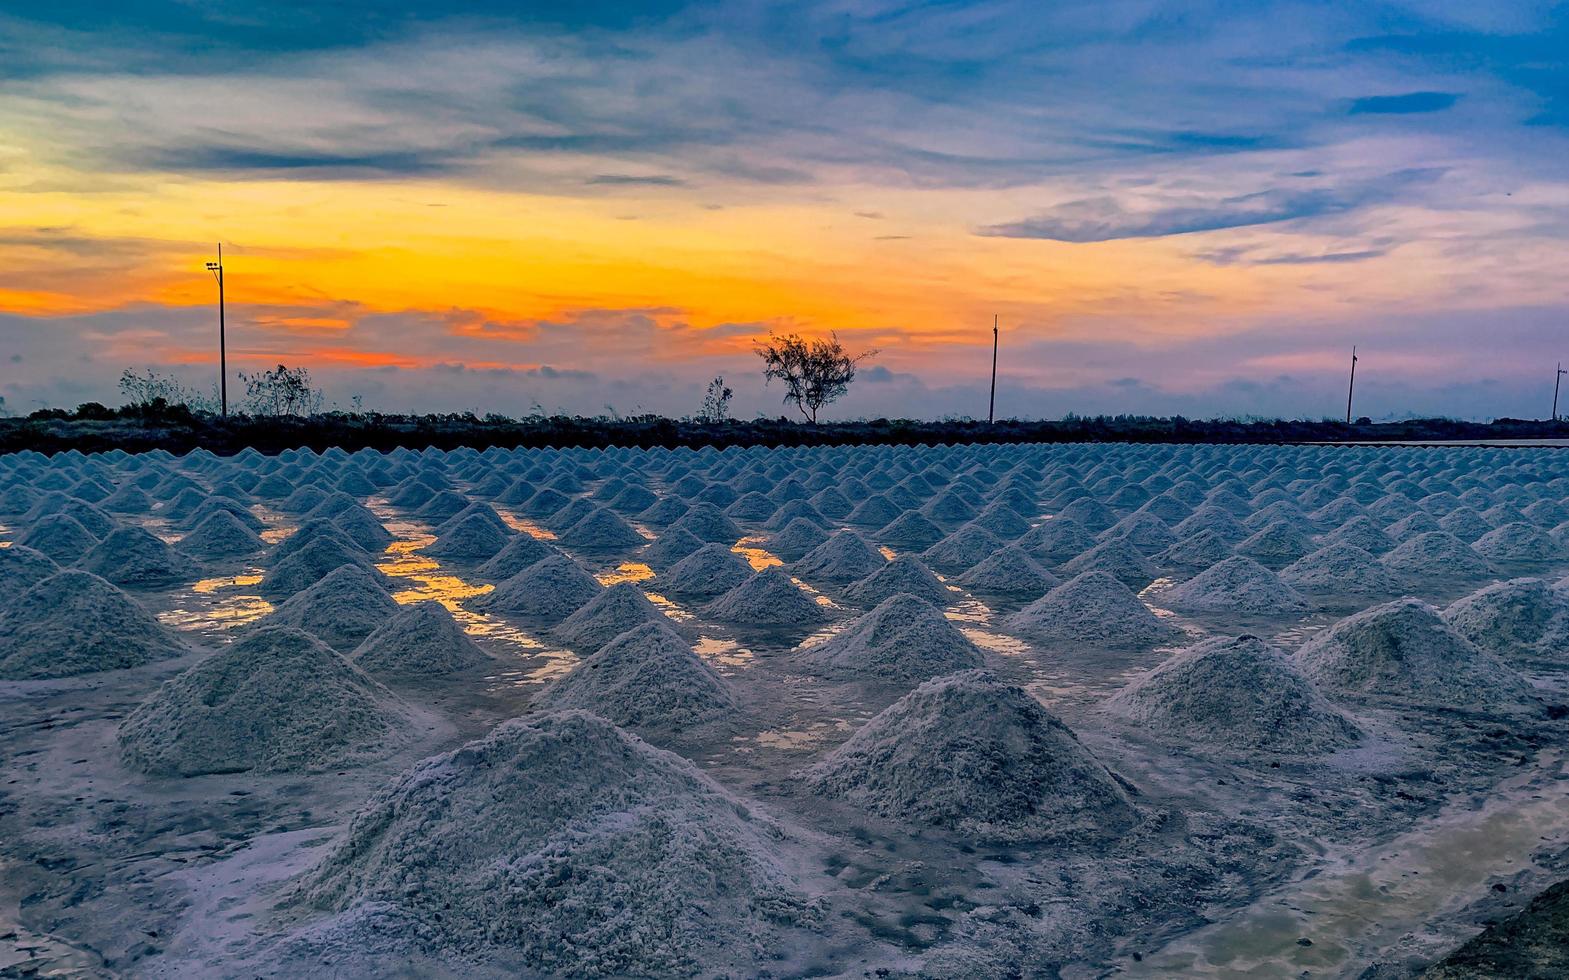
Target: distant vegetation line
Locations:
point(138, 429)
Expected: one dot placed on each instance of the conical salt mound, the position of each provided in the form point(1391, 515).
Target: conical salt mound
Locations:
point(844, 557)
point(221, 536)
point(342, 609)
point(1343, 569)
point(1092, 608)
point(1522, 619)
point(1360, 532)
point(1202, 550)
point(61, 537)
point(1518, 542)
point(610, 613)
point(1276, 545)
point(646, 679)
point(1057, 541)
point(276, 701)
point(1436, 554)
point(903, 639)
point(797, 539)
point(905, 574)
point(319, 530)
point(1235, 693)
point(1237, 585)
point(1404, 651)
point(669, 548)
point(21, 568)
point(1118, 558)
point(131, 557)
point(363, 528)
point(963, 549)
point(602, 530)
point(472, 540)
point(572, 849)
point(521, 551)
point(74, 623)
point(768, 599)
point(421, 640)
point(314, 562)
point(711, 570)
point(973, 755)
point(548, 591)
point(912, 529)
point(1010, 572)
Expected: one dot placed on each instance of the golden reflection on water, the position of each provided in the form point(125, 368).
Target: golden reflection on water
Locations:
point(525, 525)
point(758, 557)
point(627, 571)
point(231, 612)
point(1000, 643)
point(207, 586)
point(887, 552)
point(806, 738)
point(403, 560)
point(723, 652)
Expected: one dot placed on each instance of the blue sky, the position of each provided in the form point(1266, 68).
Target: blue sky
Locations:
point(1191, 207)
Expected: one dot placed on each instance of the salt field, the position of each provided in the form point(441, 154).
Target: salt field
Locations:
point(945, 711)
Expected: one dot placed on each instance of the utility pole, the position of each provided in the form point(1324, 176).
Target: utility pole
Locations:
point(1352, 387)
point(216, 268)
point(1557, 380)
point(991, 408)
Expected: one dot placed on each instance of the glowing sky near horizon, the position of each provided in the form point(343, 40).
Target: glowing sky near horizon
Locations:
point(1173, 207)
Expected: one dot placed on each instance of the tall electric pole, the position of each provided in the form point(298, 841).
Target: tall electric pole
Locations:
point(216, 268)
point(991, 408)
point(1352, 387)
point(1557, 380)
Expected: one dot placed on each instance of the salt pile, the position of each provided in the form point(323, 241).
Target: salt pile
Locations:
point(983, 759)
point(1202, 550)
point(710, 524)
point(903, 639)
point(549, 591)
point(61, 537)
point(1235, 693)
point(844, 557)
point(963, 549)
point(796, 539)
point(304, 567)
point(1360, 532)
point(768, 599)
point(905, 574)
point(1403, 650)
point(646, 678)
point(574, 848)
point(521, 551)
point(1518, 542)
point(1276, 545)
point(709, 571)
point(135, 558)
point(471, 541)
point(1092, 608)
point(1115, 557)
point(1524, 618)
point(1010, 572)
point(422, 639)
point(74, 622)
point(342, 609)
point(276, 701)
point(1057, 541)
point(21, 568)
point(1237, 585)
point(910, 530)
point(602, 530)
point(221, 536)
point(610, 613)
point(1436, 554)
point(1340, 568)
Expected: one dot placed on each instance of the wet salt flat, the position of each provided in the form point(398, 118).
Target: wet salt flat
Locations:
point(981, 710)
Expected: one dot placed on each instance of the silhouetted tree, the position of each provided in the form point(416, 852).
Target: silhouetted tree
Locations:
point(716, 402)
point(814, 372)
point(281, 391)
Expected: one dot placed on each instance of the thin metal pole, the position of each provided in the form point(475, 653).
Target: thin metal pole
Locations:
point(1353, 385)
point(1557, 380)
point(991, 408)
point(223, 345)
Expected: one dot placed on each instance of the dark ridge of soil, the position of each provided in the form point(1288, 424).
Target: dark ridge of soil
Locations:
point(1533, 942)
point(179, 431)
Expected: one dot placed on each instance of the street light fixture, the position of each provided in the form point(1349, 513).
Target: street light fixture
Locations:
point(216, 268)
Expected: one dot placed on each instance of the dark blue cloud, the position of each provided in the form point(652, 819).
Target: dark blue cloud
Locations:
point(291, 163)
point(1410, 102)
point(635, 180)
point(1105, 219)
